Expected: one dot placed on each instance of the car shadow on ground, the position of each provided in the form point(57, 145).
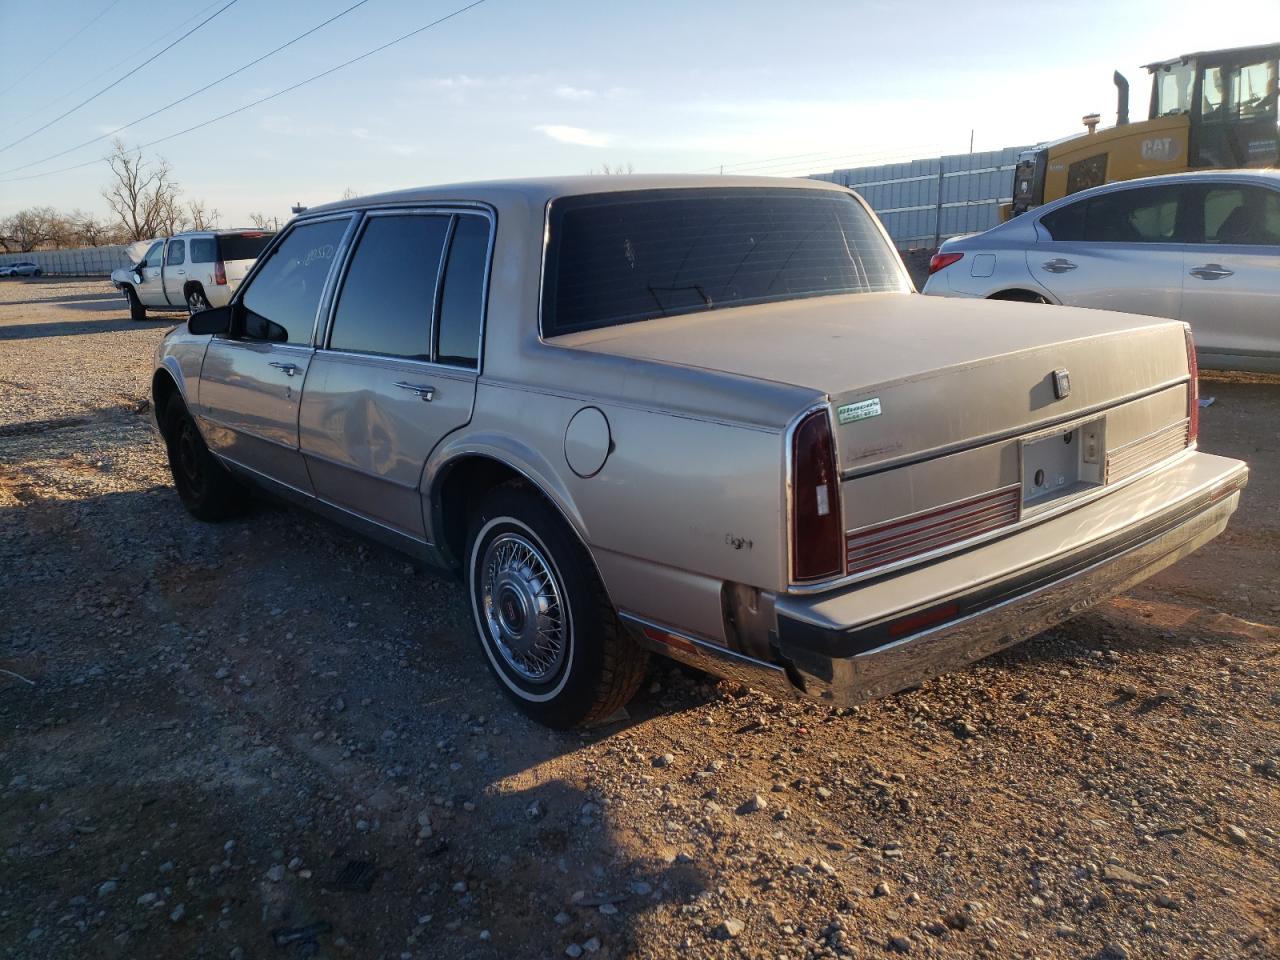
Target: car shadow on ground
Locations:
point(290, 735)
point(112, 324)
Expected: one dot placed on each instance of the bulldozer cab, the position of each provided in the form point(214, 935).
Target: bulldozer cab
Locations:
point(1229, 99)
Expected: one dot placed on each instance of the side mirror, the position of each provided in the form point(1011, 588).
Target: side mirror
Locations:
point(217, 320)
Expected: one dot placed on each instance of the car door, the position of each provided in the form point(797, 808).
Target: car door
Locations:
point(1117, 250)
point(251, 380)
point(399, 366)
point(175, 271)
point(1231, 283)
point(151, 270)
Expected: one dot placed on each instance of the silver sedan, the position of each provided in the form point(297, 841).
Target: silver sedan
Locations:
point(1201, 247)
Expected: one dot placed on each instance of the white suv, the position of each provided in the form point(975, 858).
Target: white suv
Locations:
point(192, 271)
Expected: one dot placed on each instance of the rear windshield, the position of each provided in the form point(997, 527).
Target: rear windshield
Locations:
point(242, 246)
point(621, 257)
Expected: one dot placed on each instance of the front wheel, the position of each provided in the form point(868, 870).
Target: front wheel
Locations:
point(136, 310)
point(544, 622)
point(207, 489)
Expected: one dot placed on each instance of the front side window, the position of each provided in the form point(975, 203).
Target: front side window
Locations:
point(177, 254)
point(281, 300)
point(624, 257)
point(1144, 215)
point(155, 254)
point(1241, 215)
point(390, 288)
point(462, 302)
point(1173, 90)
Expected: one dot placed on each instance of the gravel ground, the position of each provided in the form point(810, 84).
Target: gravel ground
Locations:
point(267, 738)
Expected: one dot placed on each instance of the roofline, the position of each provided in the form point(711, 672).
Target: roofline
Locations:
point(1205, 53)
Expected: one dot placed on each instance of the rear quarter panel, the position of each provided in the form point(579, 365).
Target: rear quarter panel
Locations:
point(680, 505)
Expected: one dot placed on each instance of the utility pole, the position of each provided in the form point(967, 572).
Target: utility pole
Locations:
point(970, 141)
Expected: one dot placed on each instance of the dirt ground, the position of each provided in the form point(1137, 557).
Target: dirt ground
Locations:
point(268, 738)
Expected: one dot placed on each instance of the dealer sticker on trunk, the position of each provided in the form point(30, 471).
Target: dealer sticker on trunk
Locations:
point(861, 410)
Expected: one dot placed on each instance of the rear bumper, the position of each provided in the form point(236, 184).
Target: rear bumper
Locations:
point(857, 644)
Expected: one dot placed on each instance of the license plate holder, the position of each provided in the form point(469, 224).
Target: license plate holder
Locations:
point(1062, 462)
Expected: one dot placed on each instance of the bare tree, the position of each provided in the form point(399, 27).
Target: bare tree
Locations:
point(33, 228)
point(202, 217)
point(144, 195)
point(263, 222)
point(617, 169)
point(87, 230)
point(350, 193)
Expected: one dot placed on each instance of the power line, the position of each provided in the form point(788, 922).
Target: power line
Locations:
point(119, 63)
point(120, 80)
point(59, 48)
point(271, 96)
point(167, 106)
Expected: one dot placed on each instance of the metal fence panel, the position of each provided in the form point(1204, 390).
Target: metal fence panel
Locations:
point(76, 262)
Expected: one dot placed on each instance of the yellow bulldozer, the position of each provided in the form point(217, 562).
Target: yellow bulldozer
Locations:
point(1210, 110)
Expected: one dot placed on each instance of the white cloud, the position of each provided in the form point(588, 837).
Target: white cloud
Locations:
point(567, 92)
point(575, 135)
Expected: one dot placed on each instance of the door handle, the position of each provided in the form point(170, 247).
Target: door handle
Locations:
point(1059, 265)
point(289, 368)
point(1211, 271)
point(426, 393)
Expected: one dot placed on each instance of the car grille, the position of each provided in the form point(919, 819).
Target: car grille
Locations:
point(1136, 455)
point(920, 533)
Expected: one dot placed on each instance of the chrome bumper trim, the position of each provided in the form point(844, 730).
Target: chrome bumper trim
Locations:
point(911, 660)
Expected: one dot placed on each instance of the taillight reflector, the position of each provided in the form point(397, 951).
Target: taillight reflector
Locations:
point(220, 273)
point(940, 260)
point(816, 534)
point(1193, 389)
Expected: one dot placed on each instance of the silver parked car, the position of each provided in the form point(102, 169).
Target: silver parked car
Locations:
point(20, 268)
point(1201, 247)
point(703, 416)
point(190, 271)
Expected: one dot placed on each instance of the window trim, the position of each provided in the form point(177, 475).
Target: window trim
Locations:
point(905, 284)
point(452, 210)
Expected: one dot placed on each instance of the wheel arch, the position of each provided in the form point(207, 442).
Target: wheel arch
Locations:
point(166, 381)
point(456, 479)
point(1020, 295)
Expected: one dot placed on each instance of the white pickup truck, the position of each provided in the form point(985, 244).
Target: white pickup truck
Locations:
point(192, 271)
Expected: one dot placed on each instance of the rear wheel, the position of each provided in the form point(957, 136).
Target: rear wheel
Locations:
point(136, 310)
point(196, 300)
point(207, 489)
point(544, 622)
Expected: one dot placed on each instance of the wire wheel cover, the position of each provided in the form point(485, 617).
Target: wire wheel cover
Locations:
point(522, 602)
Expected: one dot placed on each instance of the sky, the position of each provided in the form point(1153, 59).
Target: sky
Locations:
point(516, 88)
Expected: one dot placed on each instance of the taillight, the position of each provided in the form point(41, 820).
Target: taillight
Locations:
point(1193, 389)
point(940, 260)
point(816, 550)
point(220, 273)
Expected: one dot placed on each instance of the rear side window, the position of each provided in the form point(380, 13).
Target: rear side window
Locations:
point(286, 290)
point(462, 303)
point(1065, 223)
point(390, 288)
point(204, 250)
point(242, 246)
point(623, 257)
point(1144, 215)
